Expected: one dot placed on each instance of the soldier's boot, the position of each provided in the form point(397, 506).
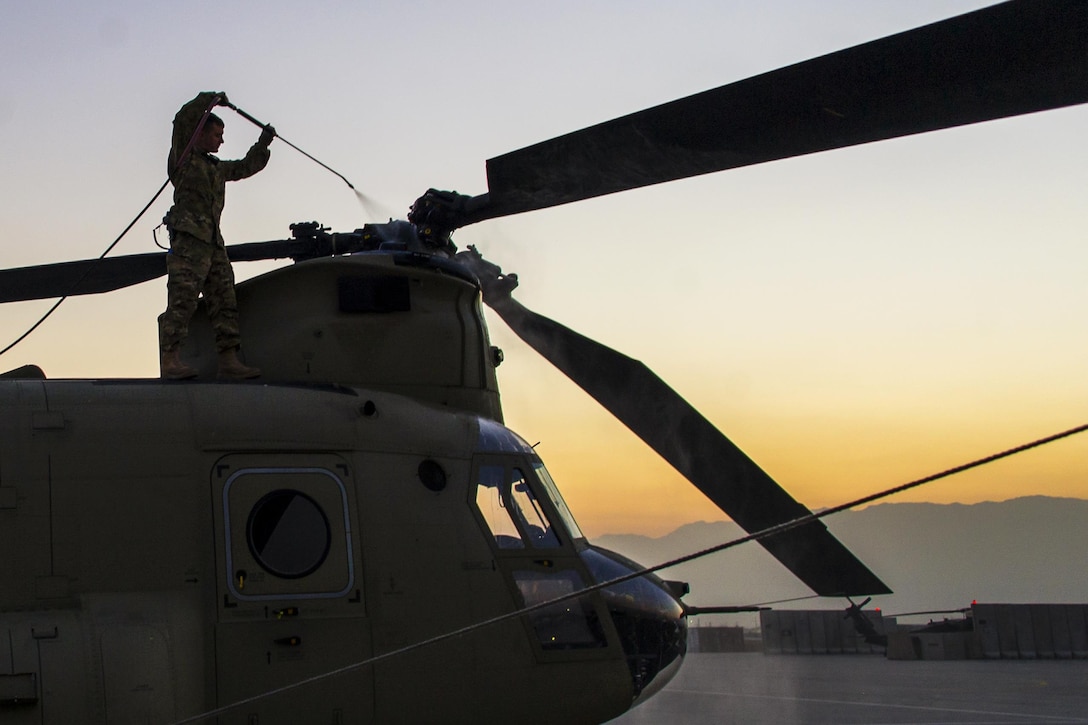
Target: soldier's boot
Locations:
point(172, 368)
point(231, 368)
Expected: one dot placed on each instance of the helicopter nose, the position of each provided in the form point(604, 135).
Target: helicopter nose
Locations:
point(650, 621)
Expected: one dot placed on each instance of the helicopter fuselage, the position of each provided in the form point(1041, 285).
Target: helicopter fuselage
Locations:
point(177, 548)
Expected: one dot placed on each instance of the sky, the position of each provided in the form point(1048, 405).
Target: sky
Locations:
point(852, 319)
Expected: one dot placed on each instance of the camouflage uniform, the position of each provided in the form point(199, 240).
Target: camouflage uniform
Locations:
point(197, 262)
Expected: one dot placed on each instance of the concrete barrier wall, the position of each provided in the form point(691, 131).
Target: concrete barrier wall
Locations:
point(1032, 631)
point(908, 645)
point(716, 639)
point(815, 631)
point(1001, 631)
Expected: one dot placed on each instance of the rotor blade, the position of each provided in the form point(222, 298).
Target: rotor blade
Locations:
point(93, 276)
point(85, 277)
point(689, 442)
point(1009, 59)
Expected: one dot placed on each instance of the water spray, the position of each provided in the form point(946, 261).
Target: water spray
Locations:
point(253, 120)
point(374, 209)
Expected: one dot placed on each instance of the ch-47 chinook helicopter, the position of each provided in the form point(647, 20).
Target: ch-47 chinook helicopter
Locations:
point(364, 495)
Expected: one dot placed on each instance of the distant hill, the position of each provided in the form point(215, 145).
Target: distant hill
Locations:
point(933, 556)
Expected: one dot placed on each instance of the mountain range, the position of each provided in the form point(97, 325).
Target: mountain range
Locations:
point(933, 556)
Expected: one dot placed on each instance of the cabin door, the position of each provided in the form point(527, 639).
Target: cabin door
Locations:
point(290, 593)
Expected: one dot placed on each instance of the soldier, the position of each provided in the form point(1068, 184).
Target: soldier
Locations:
point(197, 262)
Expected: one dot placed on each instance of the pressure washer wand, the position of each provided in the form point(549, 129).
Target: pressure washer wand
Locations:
point(254, 121)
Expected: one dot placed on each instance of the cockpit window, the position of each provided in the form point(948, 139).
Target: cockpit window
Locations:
point(511, 509)
point(560, 506)
point(538, 528)
point(567, 625)
point(490, 483)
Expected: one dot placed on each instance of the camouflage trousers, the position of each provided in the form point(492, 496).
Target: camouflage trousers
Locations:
point(194, 267)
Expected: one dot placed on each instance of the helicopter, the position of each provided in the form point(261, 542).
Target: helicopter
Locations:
point(365, 495)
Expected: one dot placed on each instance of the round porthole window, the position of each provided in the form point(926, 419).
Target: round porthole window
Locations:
point(288, 534)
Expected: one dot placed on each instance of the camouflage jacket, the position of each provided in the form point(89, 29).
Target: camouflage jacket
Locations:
point(200, 182)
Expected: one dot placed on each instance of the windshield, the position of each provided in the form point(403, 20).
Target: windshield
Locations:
point(552, 492)
point(505, 498)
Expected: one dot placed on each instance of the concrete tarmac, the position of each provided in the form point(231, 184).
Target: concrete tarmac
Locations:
point(857, 689)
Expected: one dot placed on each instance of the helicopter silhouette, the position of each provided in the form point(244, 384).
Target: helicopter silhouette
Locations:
point(364, 495)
